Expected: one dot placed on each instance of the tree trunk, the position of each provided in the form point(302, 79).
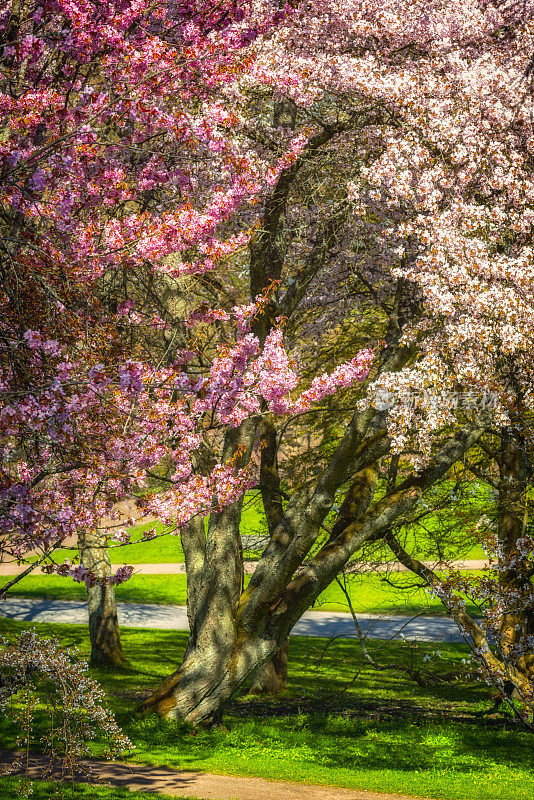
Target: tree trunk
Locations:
point(271, 679)
point(219, 655)
point(515, 579)
point(235, 630)
point(207, 679)
point(193, 538)
point(104, 634)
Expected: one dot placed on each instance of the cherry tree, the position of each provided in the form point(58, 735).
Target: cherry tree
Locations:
point(52, 687)
point(437, 190)
point(117, 152)
point(197, 129)
point(99, 115)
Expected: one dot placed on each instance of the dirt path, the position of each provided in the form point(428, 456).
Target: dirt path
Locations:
point(179, 568)
point(204, 785)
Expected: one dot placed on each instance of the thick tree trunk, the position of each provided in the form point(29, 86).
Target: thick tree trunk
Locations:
point(235, 630)
point(104, 634)
point(218, 658)
point(271, 678)
point(193, 538)
point(207, 679)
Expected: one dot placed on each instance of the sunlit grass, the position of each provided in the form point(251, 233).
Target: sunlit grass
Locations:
point(42, 790)
point(342, 723)
point(369, 593)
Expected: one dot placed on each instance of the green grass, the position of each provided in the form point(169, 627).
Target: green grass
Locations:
point(369, 593)
point(342, 723)
point(43, 790)
point(139, 589)
point(415, 544)
point(399, 593)
point(165, 549)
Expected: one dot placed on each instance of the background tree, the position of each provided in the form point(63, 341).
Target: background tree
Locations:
point(501, 637)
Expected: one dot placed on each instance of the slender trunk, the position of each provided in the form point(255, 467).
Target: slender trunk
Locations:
point(271, 678)
point(104, 634)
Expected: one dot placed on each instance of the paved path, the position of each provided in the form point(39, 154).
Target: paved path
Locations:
point(179, 569)
point(312, 623)
point(204, 785)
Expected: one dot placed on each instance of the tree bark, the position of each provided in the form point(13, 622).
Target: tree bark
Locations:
point(215, 663)
point(104, 633)
point(193, 538)
point(515, 578)
point(271, 678)
point(209, 676)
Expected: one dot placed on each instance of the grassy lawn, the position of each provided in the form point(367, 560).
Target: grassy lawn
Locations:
point(167, 549)
point(41, 790)
point(342, 723)
point(369, 593)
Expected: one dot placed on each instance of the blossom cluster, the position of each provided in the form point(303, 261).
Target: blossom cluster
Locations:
point(37, 671)
point(449, 178)
point(89, 200)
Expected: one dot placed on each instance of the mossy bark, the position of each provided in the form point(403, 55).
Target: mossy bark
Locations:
point(209, 676)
